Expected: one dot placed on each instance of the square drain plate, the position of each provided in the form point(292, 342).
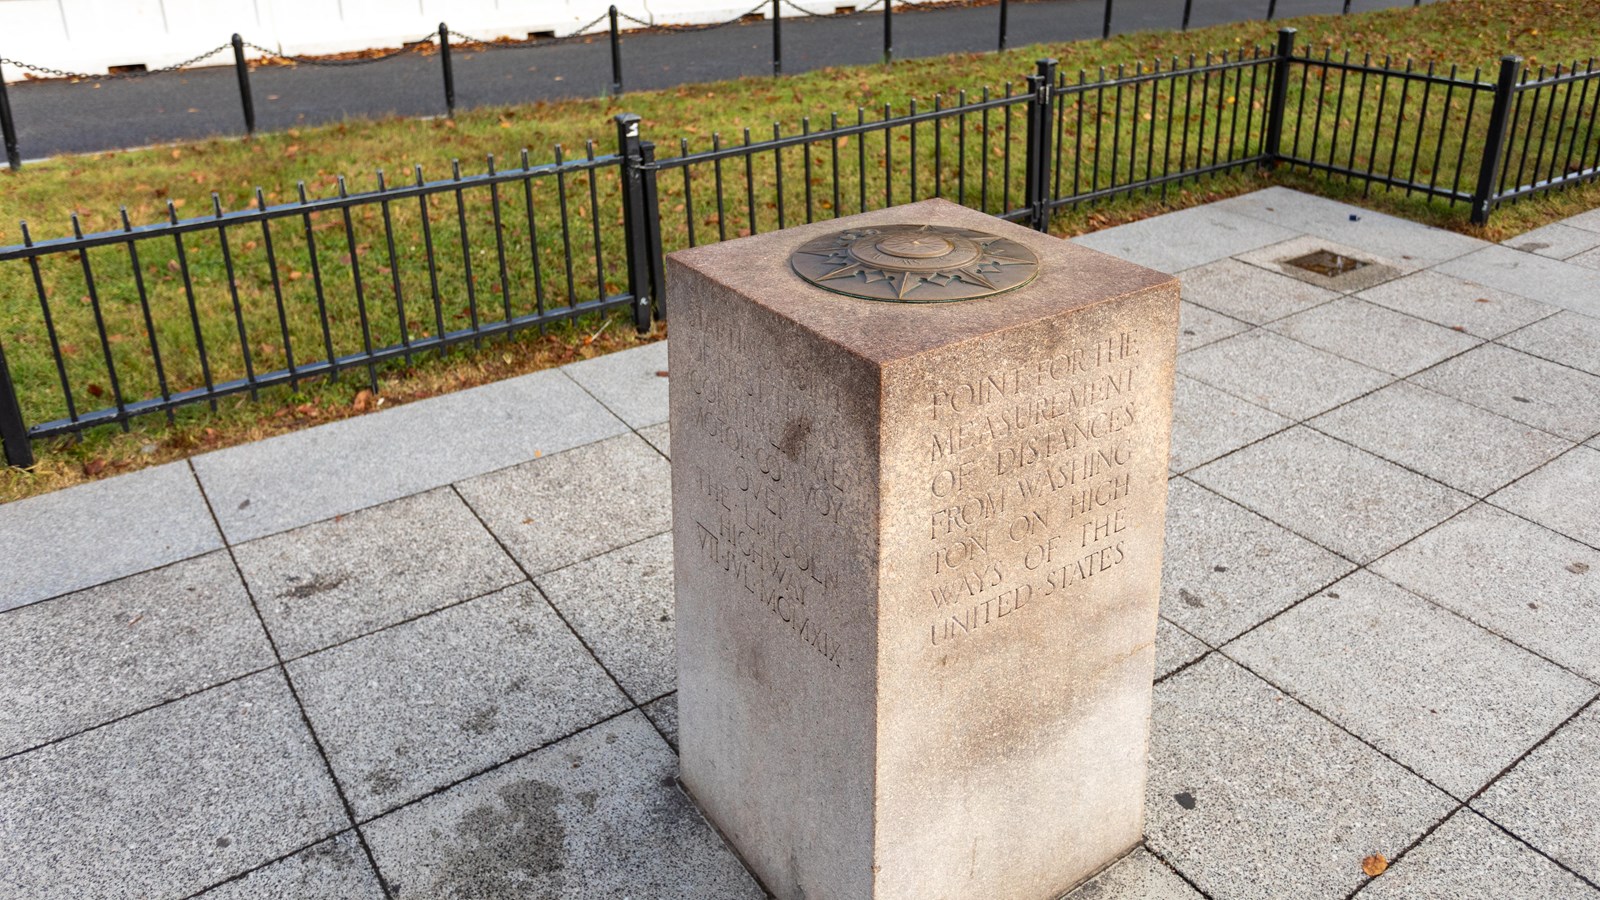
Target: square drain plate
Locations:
point(1327, 263)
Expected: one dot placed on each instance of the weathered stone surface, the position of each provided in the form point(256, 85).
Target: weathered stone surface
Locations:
point(595, 816)
point(918, 550)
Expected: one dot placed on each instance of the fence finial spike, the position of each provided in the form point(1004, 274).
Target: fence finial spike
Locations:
point(342, 192)
point(301, 187)
point(27, 239)
point(261, 198)
point(216, 204)
point(126, 225)
point(490, 157)
point(455, 168)
point(77, 227)
point(382, 185)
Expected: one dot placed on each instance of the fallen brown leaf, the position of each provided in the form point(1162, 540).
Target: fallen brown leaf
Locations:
point(1375, 865)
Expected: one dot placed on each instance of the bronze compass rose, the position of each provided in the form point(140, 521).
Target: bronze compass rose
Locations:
point(915, 263)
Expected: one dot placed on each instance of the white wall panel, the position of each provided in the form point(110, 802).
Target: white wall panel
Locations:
point(92, 35)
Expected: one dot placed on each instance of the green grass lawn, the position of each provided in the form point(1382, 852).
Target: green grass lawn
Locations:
point(534, 257)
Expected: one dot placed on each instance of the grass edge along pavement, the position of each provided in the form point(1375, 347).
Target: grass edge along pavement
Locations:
point(104, 453)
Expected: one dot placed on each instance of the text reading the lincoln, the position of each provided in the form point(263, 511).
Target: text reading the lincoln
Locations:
point(1029, 483)
point(782, 494)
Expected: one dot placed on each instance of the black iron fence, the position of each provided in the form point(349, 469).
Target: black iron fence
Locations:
point(143, 320)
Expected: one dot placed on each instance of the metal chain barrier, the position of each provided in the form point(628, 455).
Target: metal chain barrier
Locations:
point(759, 7)
point(411, 47)
point(84, 76)
point(580, 34)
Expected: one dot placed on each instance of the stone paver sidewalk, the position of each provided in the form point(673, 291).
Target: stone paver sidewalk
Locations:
point(428, 652)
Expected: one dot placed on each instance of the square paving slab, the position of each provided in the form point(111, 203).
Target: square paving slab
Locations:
point(109, 651)
point(1374, 232)
point(1469, 857)
point(1552, 798)
point(1137, 876)
point(1280, 374)
point(596, 815)
point(167, 802)
point(1556, 240)
point(620, 603)
point(1457, 304)
point(660, 437)
point(336, 869)
point(1569, 338)
point(1468, 448)
point(86, 535)
point(341, 578)
point(1543, 394)
point(1250, 293)
point(306, 476)
point(1254, 796)
point(1198, 326)
point(1519, 580)
point(631, 383)
point(1225, 568)
point(1547, 280)
point(1175, 648)
point(1208, 423)
point(1563, 495)
point(1374, 336)
point(1343, 498)
point(557, 510)
point(1209, 234)
point(1445, 698)
point(421, 705)
point(663, 715)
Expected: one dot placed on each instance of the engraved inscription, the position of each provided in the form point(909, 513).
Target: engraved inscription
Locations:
point(1030, 483)
point(769, 514)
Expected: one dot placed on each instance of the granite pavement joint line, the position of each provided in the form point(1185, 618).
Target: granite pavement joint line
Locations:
point(1471, 801)
point(1162, 857)
point(1461, 802)
point(140, 711)
point(240, 876)
point(635, 704)
point(294, 693)
point(479, 773)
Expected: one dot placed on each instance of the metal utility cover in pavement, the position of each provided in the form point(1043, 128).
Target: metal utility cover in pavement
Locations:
point(1327, 263)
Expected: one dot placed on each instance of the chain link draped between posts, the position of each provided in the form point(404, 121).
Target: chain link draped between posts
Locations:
point(114, 76)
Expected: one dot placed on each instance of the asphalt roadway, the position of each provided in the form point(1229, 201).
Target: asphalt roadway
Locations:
point(55, 117)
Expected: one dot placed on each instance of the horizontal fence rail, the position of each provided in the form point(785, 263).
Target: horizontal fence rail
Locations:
point(351, 281)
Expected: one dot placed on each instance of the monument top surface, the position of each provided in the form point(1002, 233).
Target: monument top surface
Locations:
point(759, 267)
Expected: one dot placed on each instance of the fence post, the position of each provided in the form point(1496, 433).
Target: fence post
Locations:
point(1003, 7)
point(1272, 10)
point(616, 55)
point(1278, 99)
point(1188, 8)
point(652, 228)
point(1346, 8)
point(1494, 146)
point(243, 69)
point(633, 218)
point(1105, 30)
point(1036, 179)
point(13, 433)
point(888, 31)
point(8, 128)
point(777, 39)
point(449, 73)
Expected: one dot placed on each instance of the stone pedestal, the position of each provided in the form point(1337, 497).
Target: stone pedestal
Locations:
point(918, 551)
